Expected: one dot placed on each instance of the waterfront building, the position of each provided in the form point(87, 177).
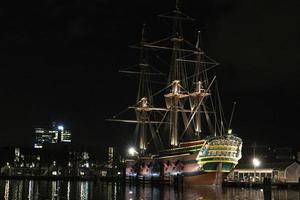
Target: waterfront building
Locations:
point(110, 157)
point(64, 160)
point(279, 172)
point(53, 135)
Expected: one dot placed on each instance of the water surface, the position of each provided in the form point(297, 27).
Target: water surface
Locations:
point(66, 190)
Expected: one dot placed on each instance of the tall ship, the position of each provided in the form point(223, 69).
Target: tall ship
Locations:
point(180, 127)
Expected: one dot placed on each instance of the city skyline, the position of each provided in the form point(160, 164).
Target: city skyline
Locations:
point(54, 134)
point(70, 55)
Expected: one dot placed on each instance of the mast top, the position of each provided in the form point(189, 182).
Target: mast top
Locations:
point(176, 5)
point(198, 40)
point(143, 33)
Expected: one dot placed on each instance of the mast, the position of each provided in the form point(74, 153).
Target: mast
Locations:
point(196, 100)
point(183, 109)
point(142, 111)
point(142, 115)
point(178, 83)
point(199, 92)
point(173, 105)
point(177, 73)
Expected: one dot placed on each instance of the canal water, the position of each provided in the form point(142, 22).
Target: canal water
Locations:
point(66, 190)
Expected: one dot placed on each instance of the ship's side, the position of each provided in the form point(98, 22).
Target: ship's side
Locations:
point(167, 163)
point(201, 162)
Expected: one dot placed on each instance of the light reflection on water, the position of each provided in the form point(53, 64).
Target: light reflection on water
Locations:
point(66, 190)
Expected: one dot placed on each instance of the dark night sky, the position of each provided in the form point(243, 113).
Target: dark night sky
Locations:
point(59, 62)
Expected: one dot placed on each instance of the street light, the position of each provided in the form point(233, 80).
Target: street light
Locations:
point(132, 151)
point(256, 163)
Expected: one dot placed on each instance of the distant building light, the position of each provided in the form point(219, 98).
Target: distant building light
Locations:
point(85, 155)
point(55, 132)
point(61, 128)
point(38, 146)
point(54, 173)
point(65, 140)
point(103, 173)
point(229, 131)
point(119, 173)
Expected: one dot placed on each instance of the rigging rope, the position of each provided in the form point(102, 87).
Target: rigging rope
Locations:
point(199, 104)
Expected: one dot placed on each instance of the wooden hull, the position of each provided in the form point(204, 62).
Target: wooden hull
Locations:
point(209, 178)
point(182, 168)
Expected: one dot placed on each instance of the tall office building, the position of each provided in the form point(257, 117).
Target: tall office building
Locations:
point(53, 135)
point(65, 135)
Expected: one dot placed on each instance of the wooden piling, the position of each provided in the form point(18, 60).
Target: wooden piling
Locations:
point(267, 189)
